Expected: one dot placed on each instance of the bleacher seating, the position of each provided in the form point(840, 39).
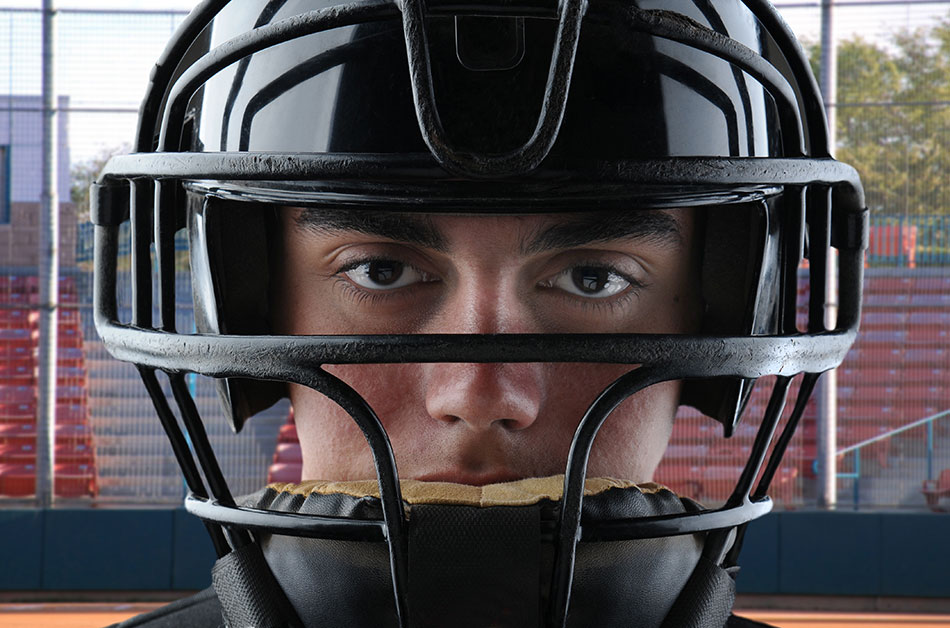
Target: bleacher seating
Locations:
point(74, 467)
point(288, 460)
point(934, 491)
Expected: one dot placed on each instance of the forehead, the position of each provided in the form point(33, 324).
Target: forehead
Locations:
point(534, 233)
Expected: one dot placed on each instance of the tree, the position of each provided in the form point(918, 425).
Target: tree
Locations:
point(893, 118)
point(84, 173)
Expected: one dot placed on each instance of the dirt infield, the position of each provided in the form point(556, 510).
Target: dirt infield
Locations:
point(96, 615)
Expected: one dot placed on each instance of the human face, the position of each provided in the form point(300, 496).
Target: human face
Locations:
point(357, 273)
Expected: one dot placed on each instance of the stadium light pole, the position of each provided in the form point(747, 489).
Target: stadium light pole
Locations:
point(828, 385)
point(48, 269)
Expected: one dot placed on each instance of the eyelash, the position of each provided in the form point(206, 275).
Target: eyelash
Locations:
point(361, 295)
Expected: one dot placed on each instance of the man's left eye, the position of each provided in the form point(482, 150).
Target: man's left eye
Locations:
point(589, 281)
point(384, 275)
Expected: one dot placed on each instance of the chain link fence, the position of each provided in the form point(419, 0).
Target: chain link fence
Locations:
point(893, 124)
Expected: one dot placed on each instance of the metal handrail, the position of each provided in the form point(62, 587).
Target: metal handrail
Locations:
point(856, 448)
point(893, 432)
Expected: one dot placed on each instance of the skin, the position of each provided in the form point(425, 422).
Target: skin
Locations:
point(484, 423)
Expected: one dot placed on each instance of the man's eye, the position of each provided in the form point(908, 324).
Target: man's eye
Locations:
point(384, 275)
point(590, 281)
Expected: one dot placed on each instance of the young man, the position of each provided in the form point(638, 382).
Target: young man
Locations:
point(485, 423)
point(487, 251)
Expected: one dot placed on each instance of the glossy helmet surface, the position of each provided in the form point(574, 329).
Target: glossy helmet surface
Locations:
point(491, 107)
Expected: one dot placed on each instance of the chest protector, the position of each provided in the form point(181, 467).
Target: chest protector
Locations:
point(482, 556)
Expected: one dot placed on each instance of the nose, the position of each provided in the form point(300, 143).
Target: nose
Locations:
point(506, 395)
point(483, 396)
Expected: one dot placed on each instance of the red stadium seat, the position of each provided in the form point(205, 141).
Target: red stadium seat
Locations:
point(924, 375)
point(70, 356)
point(17, 412)
point(930, 318)
point(929, 335)
point(69, 338)
point(288, 452)
point(17, 394)
point(14, 352)
point(14, 338)
point(74, 480)
point(17, 480)
point(71, 413)
point(70, 394)
point(287, 434)
point(685, 480)
point(852, 376)
point(934, 491)
point(283, 472)
point(24, 453)
point(19, 318)
point(888, 285)
point(18, 433)
point(889, 319)
point(74, 453)
point(675, 451)
point(936, 357)
point(17, 373)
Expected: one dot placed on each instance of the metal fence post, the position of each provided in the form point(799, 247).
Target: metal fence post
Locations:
point(48, 270)
point(827, 391)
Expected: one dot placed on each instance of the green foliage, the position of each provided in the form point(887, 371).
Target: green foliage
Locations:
point(893, 118)
point(84, 173)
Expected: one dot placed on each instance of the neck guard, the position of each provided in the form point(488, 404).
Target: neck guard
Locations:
point(482, 556)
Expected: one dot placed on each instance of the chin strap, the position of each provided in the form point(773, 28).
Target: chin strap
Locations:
point(249, 593)
point(706, 600)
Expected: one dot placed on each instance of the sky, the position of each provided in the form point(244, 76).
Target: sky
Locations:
point(185, 5)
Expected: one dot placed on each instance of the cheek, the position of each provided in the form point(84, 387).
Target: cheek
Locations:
point(332, 443)
point(634, 436)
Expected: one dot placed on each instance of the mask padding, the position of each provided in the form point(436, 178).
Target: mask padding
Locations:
point(230, 281)
point(735, 238)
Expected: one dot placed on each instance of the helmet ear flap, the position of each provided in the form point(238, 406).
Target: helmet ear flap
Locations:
point(739, 272)
point(230, 266)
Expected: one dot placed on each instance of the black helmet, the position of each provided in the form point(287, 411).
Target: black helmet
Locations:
point(498, 107)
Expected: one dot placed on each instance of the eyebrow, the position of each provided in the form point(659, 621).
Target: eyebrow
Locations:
point(412, 229)
point(652, 226)
point(580, 229)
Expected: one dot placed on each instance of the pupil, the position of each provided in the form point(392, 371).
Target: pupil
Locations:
point(385, 272)
point(590, 279)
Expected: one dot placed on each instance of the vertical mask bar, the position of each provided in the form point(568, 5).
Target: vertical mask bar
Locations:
point(180, 448)
point(106, 252)
point(165, 252)
point(205, 454)
point(569, 526)
point(778, 452)
point(792, 217)
point(851, 268)
point(773, 412)
point(140, 209)
point(530, 155)
point(385, 462)
point(819, 243)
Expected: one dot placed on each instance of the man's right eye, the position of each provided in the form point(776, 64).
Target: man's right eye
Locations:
point(384, 274)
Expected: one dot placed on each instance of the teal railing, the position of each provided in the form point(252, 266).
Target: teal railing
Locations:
point(855, 473)
point(915, 240)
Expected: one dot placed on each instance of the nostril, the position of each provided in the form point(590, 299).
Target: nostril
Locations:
point(511, 424)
